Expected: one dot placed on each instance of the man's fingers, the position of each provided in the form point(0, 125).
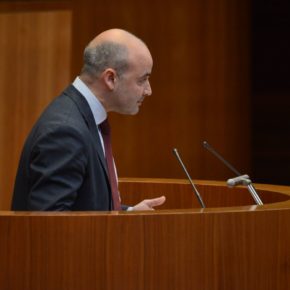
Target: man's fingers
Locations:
point(148, 204)
point(155, 201)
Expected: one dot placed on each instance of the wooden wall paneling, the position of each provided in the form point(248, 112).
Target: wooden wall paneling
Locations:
point(199, 81)
point(35, 49)
point(34, 5)
point(226, 102)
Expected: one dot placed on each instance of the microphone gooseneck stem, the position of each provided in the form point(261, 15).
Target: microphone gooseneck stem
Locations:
point(189, 178)
point(254, 194)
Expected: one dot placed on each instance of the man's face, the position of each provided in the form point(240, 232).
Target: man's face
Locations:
point(133, 85)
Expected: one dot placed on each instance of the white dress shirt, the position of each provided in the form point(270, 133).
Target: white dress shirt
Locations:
point(96, 107)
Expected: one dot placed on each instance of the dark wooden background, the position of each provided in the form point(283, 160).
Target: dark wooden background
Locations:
point(270, 91)
point(221, 74)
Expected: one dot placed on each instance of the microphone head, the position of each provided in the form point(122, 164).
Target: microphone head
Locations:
point(239, 180)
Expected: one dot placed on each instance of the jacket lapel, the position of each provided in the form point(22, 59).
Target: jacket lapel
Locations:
point(87, 114)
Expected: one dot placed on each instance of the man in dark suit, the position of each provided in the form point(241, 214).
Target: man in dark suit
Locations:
point(63, 164)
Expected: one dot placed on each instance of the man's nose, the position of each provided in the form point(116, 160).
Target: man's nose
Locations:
point(148, 90)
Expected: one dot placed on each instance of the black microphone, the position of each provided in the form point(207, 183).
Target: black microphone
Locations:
point(214, 152)
point(240, 179)
point(189, 178)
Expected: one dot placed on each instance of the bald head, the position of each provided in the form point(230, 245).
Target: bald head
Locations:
point(119, 36)
point(117, 66)
point(111, 49)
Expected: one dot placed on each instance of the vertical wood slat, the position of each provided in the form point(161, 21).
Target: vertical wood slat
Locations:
point(34, 68)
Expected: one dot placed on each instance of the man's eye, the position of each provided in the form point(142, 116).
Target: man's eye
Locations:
point(143, 80)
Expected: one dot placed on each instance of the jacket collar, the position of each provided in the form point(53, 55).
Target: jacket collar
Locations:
point(87, 114)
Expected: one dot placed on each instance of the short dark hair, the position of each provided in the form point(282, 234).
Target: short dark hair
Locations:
point(105, 55)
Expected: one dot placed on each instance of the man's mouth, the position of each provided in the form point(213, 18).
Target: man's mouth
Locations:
point(140, 101)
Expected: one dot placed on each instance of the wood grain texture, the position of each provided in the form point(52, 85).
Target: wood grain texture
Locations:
point(239, 248)
point(34, 68)
point(34, 5)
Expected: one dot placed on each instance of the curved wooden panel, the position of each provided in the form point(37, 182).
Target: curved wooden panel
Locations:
point(245, 247)
point(179, 193)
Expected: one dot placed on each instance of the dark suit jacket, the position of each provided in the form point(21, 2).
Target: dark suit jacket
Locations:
point(62, 166)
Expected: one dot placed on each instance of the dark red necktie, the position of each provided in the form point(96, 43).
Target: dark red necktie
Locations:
point(106, 134)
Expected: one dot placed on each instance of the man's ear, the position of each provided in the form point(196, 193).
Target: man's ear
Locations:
point(109, 77)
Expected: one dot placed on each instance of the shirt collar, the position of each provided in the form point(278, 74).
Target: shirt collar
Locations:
point(96, 107)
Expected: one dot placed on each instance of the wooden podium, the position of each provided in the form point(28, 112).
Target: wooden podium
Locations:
point(232, 244)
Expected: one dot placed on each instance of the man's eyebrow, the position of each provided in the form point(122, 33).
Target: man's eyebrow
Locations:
point(145, 75)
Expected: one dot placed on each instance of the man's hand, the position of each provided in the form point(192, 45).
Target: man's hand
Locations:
point(149, 204)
